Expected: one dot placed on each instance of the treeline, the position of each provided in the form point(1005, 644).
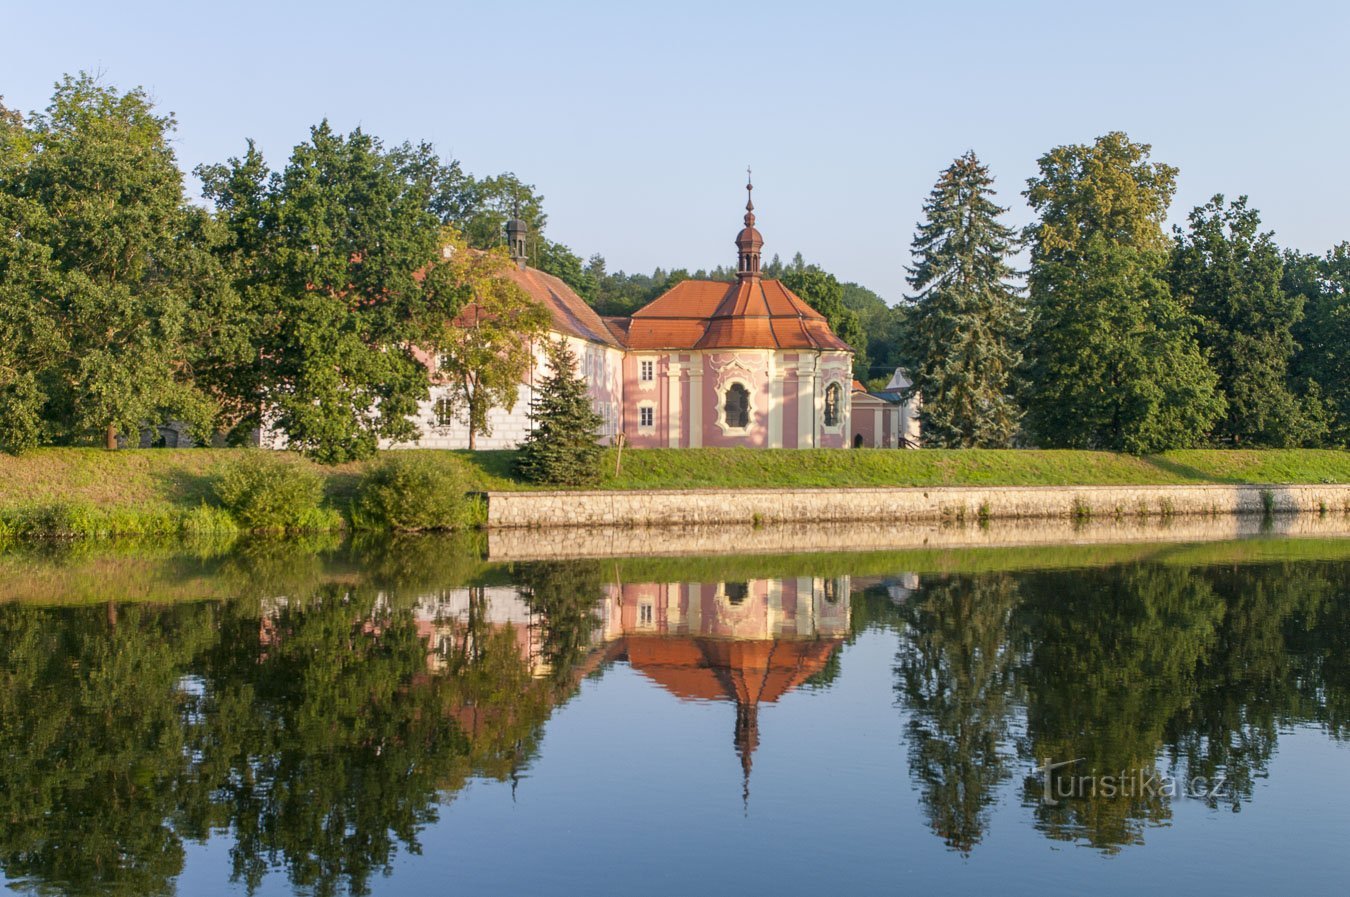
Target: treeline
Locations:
point(295, 302)
point(1122, 336)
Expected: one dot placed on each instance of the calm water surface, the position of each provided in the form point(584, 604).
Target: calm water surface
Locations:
point(403, 718)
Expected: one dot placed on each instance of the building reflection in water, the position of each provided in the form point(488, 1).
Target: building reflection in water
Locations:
point(744, 642)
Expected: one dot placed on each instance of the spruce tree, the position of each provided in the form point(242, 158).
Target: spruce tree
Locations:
point(1111, 360)
point(965, 321)
point(563, 448)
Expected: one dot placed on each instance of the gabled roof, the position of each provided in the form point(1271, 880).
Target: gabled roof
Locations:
point(748, 314)
point(571, 315)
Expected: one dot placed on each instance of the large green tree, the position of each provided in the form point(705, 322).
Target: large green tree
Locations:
point(28, 338)
point(961, 342)
point(1322, 362)
point(1112, 359)
point(340, 255)
point(1232, 272)
point(105, 268)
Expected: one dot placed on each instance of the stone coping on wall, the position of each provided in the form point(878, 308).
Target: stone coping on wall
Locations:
point(679, 507)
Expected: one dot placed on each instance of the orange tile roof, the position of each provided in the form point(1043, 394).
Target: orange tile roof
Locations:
point(748, 314)
point(707, 669)
point(570, 313)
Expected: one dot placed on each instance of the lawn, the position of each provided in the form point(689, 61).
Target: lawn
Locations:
point(168, 480)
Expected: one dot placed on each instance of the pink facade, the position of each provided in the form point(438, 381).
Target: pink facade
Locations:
point(683, 399)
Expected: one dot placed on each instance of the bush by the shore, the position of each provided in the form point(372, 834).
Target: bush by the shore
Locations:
point(412, 492)
point(263, 494)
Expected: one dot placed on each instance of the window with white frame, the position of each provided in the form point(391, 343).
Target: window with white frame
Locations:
point(444, 411)
point(646, 417)
point(646, 370)
point(646, 615)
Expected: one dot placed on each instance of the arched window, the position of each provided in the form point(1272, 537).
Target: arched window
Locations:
point(738, 406)
point(736, 592)
point(833, 403)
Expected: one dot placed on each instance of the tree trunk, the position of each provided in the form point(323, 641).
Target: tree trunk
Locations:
point(110, 442)
point(473, 438)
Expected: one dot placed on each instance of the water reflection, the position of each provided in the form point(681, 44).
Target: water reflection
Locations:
point(322, 710)
point(1145, 674)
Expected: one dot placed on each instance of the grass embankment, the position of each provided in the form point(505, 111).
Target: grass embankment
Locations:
point(165, 491)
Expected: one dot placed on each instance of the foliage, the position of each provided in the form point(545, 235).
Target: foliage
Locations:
point(1112, 360)
point(98, 269)
point(487, 350)
point(955, 672)
point(267, 494)
point(1322, 359)
point(340, 258)
point(562, 447)
point(411, 491)
point(1232, 274)
point(962, 333)
point(823, 292)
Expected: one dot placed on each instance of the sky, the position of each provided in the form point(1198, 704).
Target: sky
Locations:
point(636, 121)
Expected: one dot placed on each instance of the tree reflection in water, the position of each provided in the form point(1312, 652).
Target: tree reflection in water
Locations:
point(324, 716)
point(1166, 673)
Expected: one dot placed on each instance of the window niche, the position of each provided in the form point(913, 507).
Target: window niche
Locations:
point(834, 405)
point(737, 406)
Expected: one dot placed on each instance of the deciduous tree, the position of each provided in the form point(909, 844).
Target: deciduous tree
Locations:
point(1112, 360)
point(1231, 272)
point(487, 350)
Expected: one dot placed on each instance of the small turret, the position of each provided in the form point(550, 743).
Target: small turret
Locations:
point(515, 239)
point(749, 242)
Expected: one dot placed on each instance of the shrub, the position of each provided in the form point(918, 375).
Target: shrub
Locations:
point(412, 491)
point(268, 494)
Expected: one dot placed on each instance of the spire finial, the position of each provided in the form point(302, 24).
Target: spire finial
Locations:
point(749, 198)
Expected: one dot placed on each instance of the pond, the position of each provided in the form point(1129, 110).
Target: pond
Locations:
point(404, 717)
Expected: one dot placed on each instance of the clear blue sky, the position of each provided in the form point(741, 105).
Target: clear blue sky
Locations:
point(636, 120)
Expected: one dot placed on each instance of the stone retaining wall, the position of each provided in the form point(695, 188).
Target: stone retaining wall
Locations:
point(664, 508)
point(521, 544)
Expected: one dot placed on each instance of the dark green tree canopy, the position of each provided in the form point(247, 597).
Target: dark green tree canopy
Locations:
point(101, 269)
point(563, 446)
point(1232, 272)
point(1112, 360)
point(961, 341)
point(1322, 360)
point(339, 256)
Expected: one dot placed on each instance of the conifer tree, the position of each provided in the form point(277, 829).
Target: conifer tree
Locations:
point(1112, 359)
point(562, 448)
point(961, 343)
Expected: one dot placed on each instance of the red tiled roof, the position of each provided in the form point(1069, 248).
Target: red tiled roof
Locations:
point(570, 313)
point(748, 314)
point(708, 669)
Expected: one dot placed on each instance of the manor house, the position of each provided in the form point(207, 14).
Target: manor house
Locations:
point(708, 363)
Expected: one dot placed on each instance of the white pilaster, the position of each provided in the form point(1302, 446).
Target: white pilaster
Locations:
point(775, 402)
point(806, 400)
point(673, 408)
point(696, 402)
